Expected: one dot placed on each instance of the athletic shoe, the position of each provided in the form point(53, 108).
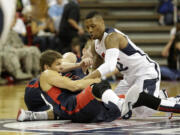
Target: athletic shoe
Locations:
point(130, 99)
point(175, 99)
point(24, 115)
point(163, 94)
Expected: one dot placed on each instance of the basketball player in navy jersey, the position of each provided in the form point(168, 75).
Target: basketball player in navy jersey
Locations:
point(117, 51)
point(72, 100)
point(32, 97)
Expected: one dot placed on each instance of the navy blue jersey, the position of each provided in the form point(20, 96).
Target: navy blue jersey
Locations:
point(32, 96)
point(78, 107)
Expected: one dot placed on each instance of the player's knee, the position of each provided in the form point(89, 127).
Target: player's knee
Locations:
point(99, 88)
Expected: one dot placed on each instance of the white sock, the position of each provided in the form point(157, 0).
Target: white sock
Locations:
point(40, 115)
point(110, 95)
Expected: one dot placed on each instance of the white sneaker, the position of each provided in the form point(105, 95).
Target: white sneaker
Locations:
point(175, 99)
point(24, 115)
point(130, 98)
point(163, 94)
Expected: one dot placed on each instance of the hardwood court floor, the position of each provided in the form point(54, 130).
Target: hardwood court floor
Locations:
point(12, 98)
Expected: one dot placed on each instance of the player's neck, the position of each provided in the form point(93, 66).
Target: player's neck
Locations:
point(100, 37)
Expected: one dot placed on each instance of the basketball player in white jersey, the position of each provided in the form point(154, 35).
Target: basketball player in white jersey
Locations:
point(117, 51)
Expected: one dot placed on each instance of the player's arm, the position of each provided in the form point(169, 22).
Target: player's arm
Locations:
point(113, 43)
point(91, 53)
point(67, 66)
point(51, 78)
point(97, 61)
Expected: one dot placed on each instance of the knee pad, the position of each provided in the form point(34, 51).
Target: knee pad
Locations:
point(99, 88)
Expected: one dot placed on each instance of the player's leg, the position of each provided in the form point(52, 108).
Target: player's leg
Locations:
point(164, 105)
point(107, 95)
point(99, 102)
point(24, 115)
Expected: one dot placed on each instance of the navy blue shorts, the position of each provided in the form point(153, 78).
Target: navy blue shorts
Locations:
point(82, 107)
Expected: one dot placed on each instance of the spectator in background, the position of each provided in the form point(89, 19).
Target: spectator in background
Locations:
point(166, 9)
point(26, 6)
point(69, 27)
point(43, 32)
point(20, 28)
point(76, 46)
point(2, 80)
point(172, 71)
point(17, 52)
point(173, 32)
point(55, 11)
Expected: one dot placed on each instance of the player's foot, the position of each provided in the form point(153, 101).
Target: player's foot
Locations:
point(130, 98)
point(163, 94)
point(24, 115)
point(175, 99)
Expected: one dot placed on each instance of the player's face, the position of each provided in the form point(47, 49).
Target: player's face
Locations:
point(95, 27)
point(56, 66)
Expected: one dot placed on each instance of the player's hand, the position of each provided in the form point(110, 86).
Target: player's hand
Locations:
point(85, 64)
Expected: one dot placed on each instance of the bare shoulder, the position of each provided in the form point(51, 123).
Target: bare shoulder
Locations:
point(45, 78)
point(114, 36)
point(115, 40)
point(48, 73)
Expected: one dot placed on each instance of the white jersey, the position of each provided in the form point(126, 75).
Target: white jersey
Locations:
point(132, 61)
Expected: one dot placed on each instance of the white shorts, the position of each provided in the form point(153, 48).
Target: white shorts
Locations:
point(146, 83)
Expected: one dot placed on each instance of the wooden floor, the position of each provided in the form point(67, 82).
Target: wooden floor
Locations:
point(12, 98)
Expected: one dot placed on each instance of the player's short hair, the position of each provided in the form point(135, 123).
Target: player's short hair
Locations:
point(92, 14)
point(48, 57)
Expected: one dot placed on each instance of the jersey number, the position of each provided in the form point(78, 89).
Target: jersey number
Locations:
point(120, 67)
